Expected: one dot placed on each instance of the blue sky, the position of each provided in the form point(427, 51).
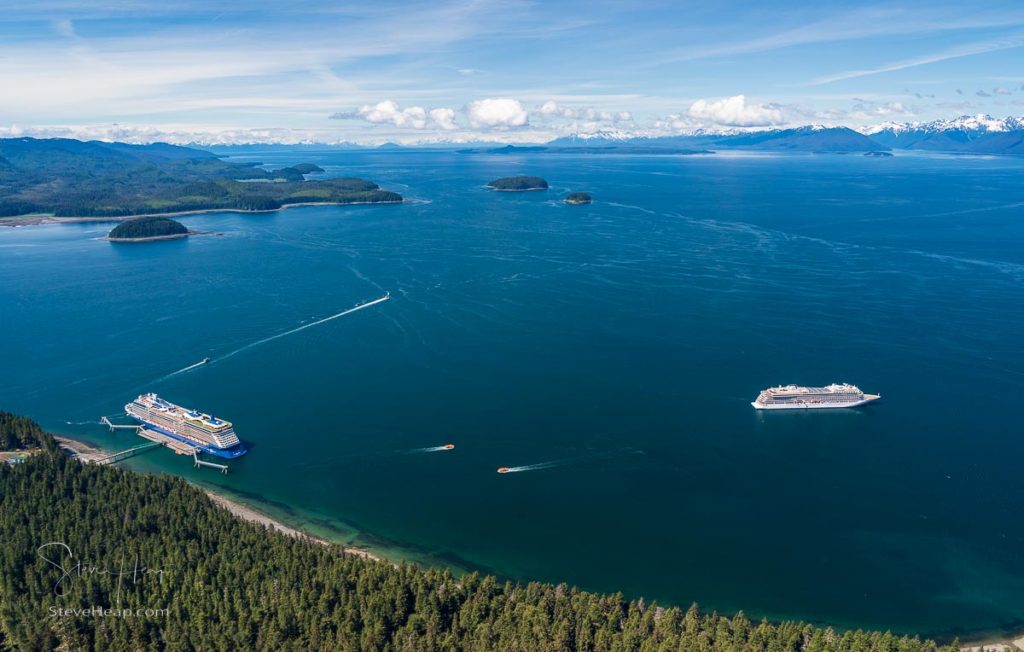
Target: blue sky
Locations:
point(497, 70)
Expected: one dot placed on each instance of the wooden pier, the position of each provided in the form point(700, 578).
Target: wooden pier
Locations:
point(125, 454)
point(223, 468)
point(113, 426)
point(179, 447)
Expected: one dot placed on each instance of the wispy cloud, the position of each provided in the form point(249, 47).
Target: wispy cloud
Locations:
point(860, 24)
point(969, 50)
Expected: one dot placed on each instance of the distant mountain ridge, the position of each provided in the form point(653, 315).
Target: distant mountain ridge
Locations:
point(812, 138)
point(977, 134)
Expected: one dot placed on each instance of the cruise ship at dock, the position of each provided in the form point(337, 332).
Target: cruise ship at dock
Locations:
point(207, 433)
point(794, 397)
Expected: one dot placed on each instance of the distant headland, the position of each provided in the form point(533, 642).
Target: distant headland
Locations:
point(519, 183)
point(44, 180)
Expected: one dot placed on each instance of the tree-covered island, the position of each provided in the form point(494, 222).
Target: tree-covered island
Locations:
point(519, 183)
point(577, 198)
point(143, 229)
point(61, 177)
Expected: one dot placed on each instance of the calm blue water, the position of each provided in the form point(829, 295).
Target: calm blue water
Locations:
point(616, 346)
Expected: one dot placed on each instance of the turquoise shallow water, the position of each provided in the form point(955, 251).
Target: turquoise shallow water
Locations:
point(616, 347)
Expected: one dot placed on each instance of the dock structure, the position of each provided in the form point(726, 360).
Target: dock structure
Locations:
point(125, 454)
point(223, 468)
point(156, 439)
point(114, 426)
point(179, 447)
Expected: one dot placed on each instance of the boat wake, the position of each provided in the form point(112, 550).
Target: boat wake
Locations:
point(434, 449)
point(579, 461)
point(183, 370)
point(356, 308)
point(529, 467)
point(204, 361)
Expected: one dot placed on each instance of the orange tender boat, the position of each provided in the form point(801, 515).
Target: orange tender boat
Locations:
point(503, 469)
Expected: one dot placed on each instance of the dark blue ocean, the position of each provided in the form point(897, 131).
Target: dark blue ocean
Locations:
point(607, 352)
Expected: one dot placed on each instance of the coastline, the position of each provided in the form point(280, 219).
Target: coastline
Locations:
point(90, 454)
point(1011, 642)
point(253, 515)
point(34, 220)
point(154, 238)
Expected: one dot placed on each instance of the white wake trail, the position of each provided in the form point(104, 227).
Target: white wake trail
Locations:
point(182, 370)
point(311, 324)
point(532, 467)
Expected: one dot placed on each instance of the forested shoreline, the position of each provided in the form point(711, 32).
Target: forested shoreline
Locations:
point(227, 584)
point(71, 178)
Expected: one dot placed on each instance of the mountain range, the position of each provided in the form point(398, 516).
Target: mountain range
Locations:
point(980, 134)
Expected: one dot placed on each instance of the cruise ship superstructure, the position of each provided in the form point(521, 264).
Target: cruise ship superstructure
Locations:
point(794, 397)
point(207, 433)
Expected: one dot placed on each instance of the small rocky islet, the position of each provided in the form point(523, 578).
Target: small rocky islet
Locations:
point(519, 183)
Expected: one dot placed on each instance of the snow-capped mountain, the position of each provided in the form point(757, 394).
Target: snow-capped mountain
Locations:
point(981, 123)
point(812, 138)
point(976, 134)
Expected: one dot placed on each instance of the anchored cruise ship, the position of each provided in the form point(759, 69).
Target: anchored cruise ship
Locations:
point(208, 434)
point(793, 397)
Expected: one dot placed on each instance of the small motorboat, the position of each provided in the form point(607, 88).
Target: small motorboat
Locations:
point(448, 447)
point(504, 469)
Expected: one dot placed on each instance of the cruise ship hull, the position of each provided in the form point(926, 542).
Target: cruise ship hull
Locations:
point(808, 405)
point(226, 453)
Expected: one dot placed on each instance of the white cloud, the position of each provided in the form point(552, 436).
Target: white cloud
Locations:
point(497, 113)
point(553, 109)
point(443, 118)
point(735, 112)
point(388, 111)
point(413, 117)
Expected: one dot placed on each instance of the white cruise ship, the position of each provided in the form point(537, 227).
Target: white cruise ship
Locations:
point(794, 397)
point(205, 432)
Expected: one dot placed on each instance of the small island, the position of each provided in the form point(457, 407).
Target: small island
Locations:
point(307, 168)
point(577, 198)
point(147, 229)
point(878, 154)
point(296, 172)
point(519, 183)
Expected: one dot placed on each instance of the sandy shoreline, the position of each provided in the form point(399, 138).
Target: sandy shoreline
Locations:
point(90, 454)
point(80, 450)
point(32, 220)
point(253, 515)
